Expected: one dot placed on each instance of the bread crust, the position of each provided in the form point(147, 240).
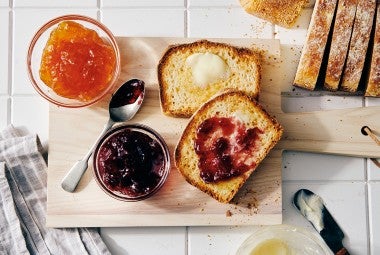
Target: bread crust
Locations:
point(344, 21)
point(280, 12)
point(224, 190)
point(359, 43)
point(312, 53)
point(244, 55)
point(373, 85)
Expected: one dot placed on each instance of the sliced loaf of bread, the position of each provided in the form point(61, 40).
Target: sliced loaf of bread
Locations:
point(359, 45)
point(373, 84)
point(341, 36)
point(313, 51)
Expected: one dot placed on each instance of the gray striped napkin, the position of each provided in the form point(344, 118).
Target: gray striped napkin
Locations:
point(23, 204)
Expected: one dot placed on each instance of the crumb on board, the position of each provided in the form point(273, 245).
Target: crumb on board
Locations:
point(228, 213)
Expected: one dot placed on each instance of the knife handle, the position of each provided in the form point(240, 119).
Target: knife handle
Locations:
point(342, 251)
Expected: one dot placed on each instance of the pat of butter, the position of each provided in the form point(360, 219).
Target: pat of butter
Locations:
point(207, 68)
point(272, 247)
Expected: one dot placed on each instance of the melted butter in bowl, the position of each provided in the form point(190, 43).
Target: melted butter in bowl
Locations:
point(283, 240)
point(207, 68)
point(273, 247)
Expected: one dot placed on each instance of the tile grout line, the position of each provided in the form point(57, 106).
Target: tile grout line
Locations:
point(367, 203)
point(187, 252)
point(10, 62)
point(186, 21)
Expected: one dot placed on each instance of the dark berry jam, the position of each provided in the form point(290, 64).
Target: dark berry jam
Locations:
point(131, 162)
point(128, 93)
point(225, 148)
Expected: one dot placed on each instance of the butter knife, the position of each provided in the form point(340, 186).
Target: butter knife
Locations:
point(311, 206)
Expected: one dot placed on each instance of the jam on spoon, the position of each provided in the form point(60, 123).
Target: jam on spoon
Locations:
point(123, 106)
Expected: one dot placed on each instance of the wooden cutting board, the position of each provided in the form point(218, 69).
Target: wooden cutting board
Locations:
point(72, 132)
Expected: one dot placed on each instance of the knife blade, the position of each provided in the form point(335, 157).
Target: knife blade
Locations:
point(311, 206)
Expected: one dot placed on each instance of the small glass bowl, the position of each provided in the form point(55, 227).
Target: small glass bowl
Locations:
point(299, 241)
point(144, 130)
point(37, 46)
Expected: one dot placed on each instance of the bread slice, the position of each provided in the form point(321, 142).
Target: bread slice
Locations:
point(314, 48)
point(353, 70)
point(237, 106)
point(344, 21)
point(373, 85)
point(181, 96)
point(279, 12)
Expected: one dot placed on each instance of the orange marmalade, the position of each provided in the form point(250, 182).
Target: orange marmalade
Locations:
point(76, 63)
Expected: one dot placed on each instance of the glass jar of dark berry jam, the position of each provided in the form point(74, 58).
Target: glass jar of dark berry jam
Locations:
point(131, 162)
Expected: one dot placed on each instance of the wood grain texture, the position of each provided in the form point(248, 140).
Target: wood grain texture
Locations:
point(72, 132)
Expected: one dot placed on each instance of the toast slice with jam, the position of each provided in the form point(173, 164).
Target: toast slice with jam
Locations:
point(224, 142)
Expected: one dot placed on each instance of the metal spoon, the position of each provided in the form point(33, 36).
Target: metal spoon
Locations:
point(123, 106)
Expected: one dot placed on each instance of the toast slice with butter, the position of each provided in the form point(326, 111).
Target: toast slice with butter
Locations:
point(224, 142)
point(190, 74)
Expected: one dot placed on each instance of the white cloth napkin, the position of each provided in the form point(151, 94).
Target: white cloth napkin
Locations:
point(23, 204)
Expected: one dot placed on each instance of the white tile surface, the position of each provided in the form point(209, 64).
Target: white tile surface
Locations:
point(226, 23)
point(140, 3)
point(4, 3)
point(26, 23)
point(144, 22)
point(4, 49)
point(372, 101)
point(142, 241)
point(299, 166)
point(373, 170)
point(340, 181)
point(346, 202)
point(32, 113)
point(54, 3)
point(4, 110)
point(296, 34)
point(217, 240)
point(374, 212)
